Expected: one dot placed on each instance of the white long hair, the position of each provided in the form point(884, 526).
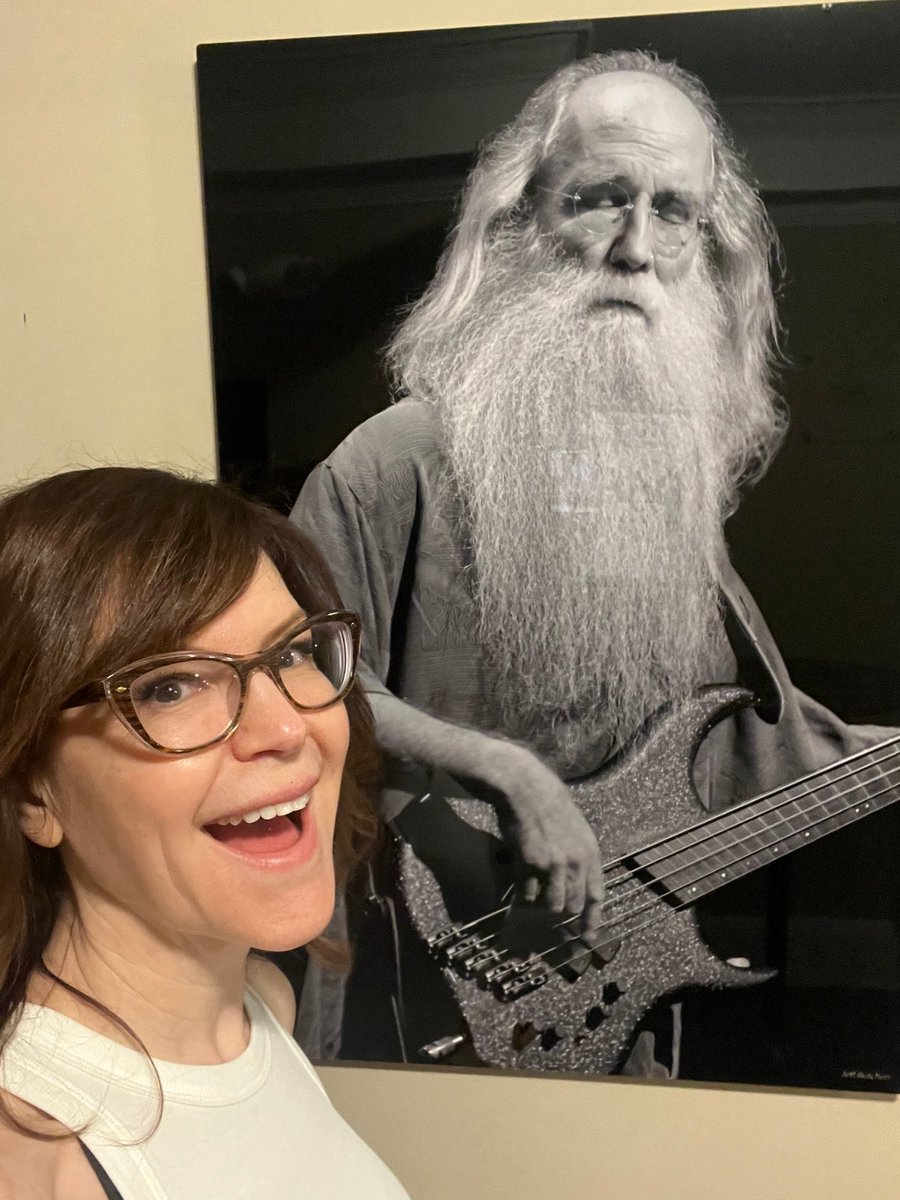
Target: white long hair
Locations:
point(740, 242)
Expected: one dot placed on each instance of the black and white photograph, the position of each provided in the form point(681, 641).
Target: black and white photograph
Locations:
point(573, 347)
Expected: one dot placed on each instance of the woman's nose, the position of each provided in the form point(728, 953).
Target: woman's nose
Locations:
point(269, 721)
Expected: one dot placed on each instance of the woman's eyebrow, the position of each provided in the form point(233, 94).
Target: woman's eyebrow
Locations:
point(193, 646)
point(285, 627)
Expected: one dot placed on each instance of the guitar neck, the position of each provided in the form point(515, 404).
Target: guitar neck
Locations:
point(732, 844)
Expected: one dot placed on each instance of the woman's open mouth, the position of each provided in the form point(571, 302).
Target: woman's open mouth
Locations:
point(264, 831)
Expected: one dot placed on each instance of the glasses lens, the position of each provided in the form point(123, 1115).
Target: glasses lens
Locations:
point(317, 665)
point(600, 206)
point(186, 704)
point(671, 235)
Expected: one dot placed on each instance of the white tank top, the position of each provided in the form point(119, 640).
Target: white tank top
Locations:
point(259, 1126)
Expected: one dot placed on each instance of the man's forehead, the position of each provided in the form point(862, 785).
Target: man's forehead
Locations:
point(620, 110)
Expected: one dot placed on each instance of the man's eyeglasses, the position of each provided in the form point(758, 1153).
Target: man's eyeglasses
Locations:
point(176, 703)
point(602, 208)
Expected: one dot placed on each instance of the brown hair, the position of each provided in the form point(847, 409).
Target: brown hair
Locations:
point(98, 568)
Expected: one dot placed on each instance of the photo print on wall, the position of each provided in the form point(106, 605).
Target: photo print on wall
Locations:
point(628, 633)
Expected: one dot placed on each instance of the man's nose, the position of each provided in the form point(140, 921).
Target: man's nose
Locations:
point(269, 722)
point(632, 248)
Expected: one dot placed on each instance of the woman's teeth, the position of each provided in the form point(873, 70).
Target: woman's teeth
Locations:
point(267, 813)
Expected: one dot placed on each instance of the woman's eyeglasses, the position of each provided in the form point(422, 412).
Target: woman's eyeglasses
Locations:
point(176, 703)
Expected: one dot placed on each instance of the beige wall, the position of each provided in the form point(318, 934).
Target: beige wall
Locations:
point(105, 356)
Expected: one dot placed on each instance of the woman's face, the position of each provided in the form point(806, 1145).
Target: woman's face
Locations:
point(139, 832)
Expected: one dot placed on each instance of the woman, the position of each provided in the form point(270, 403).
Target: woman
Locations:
point(175, 714)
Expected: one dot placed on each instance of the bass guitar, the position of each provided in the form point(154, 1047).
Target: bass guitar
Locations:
point(532, 995)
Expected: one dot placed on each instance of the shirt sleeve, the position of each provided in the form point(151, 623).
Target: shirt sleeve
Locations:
point(745, 755)
point(366, 561)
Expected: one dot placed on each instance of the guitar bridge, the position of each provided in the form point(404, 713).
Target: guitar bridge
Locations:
point(470, 956)
point(527, 977)
point(441, 939)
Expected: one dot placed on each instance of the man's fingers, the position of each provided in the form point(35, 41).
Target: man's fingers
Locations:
point(576, 891)
point(562, 860)
point(592, 916)
point(555, 894)
point(592, 930)
point(596, 883)
point(531, 889)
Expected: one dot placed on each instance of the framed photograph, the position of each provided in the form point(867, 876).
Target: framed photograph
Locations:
point(334, 171)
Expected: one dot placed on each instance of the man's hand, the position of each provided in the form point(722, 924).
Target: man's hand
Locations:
point(554, 838)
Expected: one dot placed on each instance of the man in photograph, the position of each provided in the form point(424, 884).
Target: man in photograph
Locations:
point(533, 534)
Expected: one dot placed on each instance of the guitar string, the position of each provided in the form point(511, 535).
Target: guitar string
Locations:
point(657, 899)
point(822, 775)
point(730, 820)
point(656, 906)
point(741, 814)
point(629, 875)
point(659, 910)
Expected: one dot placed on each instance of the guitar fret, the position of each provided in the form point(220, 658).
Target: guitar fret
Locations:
point(496, 988)
point(729, 845)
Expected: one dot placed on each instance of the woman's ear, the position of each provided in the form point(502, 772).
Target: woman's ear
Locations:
point(38, 822)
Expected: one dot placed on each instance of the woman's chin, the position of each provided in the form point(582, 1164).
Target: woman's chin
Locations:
point(294, 927)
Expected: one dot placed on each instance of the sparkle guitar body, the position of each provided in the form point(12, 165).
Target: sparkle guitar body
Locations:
point(525, 1008)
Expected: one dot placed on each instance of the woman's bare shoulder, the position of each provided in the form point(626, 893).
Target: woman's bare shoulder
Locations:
point(274, 988)
point(41, 1168)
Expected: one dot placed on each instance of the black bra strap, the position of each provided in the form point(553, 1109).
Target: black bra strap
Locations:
point(109, 1188)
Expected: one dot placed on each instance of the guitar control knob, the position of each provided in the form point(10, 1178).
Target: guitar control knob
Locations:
point(594, 1017)
point(611, 992)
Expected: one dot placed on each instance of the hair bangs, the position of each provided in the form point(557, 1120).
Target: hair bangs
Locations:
point(161, 590)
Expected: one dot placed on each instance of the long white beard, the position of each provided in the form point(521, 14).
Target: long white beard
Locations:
point(596, 454)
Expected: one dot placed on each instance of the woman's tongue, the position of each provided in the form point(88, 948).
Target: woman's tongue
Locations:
point(260, 837)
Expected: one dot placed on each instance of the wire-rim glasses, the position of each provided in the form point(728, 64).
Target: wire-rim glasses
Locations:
point(602, 208)
point(187, 700)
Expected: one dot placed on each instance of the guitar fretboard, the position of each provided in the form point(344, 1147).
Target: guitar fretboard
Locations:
point(725, 847)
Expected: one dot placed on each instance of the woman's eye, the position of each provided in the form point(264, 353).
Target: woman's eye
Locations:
point(169, 689)
point(297, 654)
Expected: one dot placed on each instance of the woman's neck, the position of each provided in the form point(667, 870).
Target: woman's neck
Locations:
point(184, 1001)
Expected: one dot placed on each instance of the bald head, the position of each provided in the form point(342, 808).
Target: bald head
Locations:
point(646, 135)
point(635, 104)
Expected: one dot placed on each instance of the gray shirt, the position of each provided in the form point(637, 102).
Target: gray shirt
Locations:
point(381, 513)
